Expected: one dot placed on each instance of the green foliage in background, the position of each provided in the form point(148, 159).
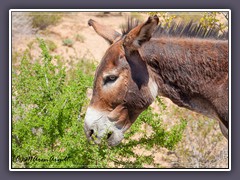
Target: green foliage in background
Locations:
point(41, 20)
point(48, 108)
point(206, 19)
point(165, 17)
point(80, 38)
point(68, 42)
point(51, 45)
point(211, 20)
point(187, 16)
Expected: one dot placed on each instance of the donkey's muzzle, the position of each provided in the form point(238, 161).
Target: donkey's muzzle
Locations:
point(98, 127)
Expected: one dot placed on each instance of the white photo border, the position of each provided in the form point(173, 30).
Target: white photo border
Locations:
point(115, 10)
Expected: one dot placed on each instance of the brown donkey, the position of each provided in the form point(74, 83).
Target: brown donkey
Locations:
point(185, 64)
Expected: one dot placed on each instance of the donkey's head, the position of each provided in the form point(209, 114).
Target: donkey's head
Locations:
point(123, 86)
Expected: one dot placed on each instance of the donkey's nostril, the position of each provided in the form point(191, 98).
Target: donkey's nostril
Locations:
point(109, 135)
point(91, 132)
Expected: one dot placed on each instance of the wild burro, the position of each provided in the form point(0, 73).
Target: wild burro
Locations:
point(184, 63)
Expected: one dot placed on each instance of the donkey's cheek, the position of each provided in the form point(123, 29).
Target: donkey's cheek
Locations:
point(118, 114)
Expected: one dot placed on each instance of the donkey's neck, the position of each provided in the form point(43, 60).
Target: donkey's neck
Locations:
point(188, 70)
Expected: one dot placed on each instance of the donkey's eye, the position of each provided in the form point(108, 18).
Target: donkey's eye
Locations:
point(110, 79)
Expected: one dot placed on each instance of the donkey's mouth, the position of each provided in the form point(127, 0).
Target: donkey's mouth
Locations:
point(110, 141)
point(112, 138)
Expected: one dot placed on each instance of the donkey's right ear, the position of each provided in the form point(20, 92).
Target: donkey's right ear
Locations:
point(141, 34)
point(107, 33)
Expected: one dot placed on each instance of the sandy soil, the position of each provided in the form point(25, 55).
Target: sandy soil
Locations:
point(70, 26)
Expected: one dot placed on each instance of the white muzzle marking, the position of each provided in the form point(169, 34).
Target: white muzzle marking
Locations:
point(97, 122)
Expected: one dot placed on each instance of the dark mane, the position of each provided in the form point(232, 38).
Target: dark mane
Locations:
point(189, 29)
point(131, 23)
point(181, 29)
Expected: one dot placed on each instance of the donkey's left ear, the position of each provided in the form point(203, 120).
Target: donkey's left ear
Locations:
point(107, 33)
point(140, 34)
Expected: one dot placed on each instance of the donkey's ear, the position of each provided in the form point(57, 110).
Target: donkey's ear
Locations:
point(107, 33)
point(140, 34)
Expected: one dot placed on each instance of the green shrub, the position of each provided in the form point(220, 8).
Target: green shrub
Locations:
point(206, 19)
point(48, 108)
point(15, 57)
point(51, 45)
point(166, 17)
point(188, 16)
point(211, 20)
point(68, 42)
point(137, 15)
point(42, 20)
point(80, 38)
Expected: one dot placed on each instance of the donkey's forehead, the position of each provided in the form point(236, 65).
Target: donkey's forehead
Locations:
point(115, 49)
point(112, 56)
